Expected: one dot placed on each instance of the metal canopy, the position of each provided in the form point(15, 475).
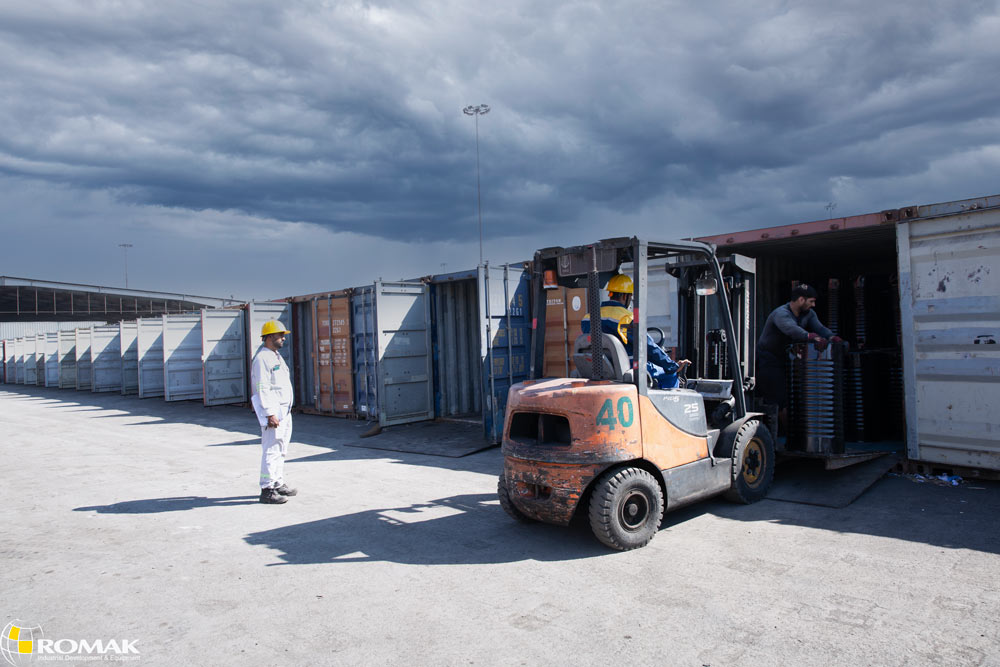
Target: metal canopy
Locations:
point(30, 300)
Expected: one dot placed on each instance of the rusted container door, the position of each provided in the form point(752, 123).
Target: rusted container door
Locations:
point(564, 311)
point(333, 370)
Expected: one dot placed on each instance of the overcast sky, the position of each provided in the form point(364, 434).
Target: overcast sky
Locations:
point(264, 149)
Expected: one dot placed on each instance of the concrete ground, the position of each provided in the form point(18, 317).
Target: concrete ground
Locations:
point(137, 519)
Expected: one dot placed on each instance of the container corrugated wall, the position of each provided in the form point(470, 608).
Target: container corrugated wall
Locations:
point(394, 373)
point(224, 354)
point(949, 282)
point(505, 317)
point(258, 313)
point(52, 359)
point(149, 348)
point(83, 365)
point(19, 359)
point(30, 361)
point(128, 332)
point(182, 366)
point(459, 384)
point(67, 360)
point(106, 359)
point(10, 362)
point(40, 343)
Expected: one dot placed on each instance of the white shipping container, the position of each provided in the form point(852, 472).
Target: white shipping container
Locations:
point(52, 359)
point(949, 271)
point(67, 360)
point(128, 333)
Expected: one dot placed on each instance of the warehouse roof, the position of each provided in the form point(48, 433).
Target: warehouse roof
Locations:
point(32, 300)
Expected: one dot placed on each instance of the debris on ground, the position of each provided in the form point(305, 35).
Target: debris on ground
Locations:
point(940, 480)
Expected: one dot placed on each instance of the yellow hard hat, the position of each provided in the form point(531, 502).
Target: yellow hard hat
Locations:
point(273, 327)
point(620, 284)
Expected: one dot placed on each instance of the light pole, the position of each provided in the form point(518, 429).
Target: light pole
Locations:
point(125, 247)
point(477, 111)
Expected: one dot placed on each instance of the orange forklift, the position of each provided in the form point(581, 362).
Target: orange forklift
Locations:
point(607, 442)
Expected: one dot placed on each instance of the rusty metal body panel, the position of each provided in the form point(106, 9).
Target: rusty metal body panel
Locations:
point(609, 424)
point(665, 445)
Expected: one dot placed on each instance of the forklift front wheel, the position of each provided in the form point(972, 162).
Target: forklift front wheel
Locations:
point(507, 505)
point(753, 463)
point(626, 508)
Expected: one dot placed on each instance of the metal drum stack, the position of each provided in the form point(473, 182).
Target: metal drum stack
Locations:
point(816, 399)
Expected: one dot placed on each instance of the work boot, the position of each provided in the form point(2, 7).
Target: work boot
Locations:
point(272, 497)
point(285, 491)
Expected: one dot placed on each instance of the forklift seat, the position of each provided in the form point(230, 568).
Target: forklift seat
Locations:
point(616, 362)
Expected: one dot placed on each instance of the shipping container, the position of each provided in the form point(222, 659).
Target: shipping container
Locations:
point(83, 362)
point(149, 350)
point(40, 360)
point(106, 359)
point(458, 384)
point(67, 359)
point(392, 353)
point(10, 362)
point(505, 317)
point(224, 354)
point(949, 281)
point(30, 360)
point(182, 366)
point(323, 377)
point(128, 333)
point(916, 293)
point(52, 359)
point(12, 330)
point(19, 359)
point(258, 313)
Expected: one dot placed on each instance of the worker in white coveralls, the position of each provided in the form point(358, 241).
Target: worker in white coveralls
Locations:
point(272, 401)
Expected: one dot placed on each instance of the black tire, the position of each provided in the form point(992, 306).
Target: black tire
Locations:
point(753, 463)
point(626, 508)
point(507, 505)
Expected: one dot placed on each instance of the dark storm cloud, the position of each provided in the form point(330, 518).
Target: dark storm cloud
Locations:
point(348, 115)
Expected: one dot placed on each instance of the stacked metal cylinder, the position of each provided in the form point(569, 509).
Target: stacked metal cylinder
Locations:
point(816, 399)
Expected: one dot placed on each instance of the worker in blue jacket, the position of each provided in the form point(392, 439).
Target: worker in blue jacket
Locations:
point(614, 312)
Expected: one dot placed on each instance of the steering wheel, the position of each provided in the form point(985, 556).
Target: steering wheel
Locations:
point(656, 333)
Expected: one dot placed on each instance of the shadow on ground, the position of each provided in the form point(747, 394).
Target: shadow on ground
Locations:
point(465, 529)
point(157, 505)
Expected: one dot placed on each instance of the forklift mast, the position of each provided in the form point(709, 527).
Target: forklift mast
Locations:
point(702, 336)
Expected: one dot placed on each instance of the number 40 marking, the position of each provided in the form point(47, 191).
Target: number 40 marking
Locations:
point(626, 413)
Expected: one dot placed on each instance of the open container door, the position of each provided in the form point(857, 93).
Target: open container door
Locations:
point(949, 284)
point(182, 367)
point(223, 353)
point(52, 359)
point(149, 340)
point(403, 343)
point(67, 359)
point(106, 359)
point(505, 339)
point(83, 363)
point(258, 313)
point(128, 331)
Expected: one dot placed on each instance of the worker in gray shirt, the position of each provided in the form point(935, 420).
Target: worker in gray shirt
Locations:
point(793, 322)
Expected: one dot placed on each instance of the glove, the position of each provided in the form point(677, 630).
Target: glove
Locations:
point(836, 339)
point(818, 341)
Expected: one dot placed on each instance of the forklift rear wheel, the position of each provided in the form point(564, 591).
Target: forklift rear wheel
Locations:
point(626, 508)
point(506, 503)
point(753, 463)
